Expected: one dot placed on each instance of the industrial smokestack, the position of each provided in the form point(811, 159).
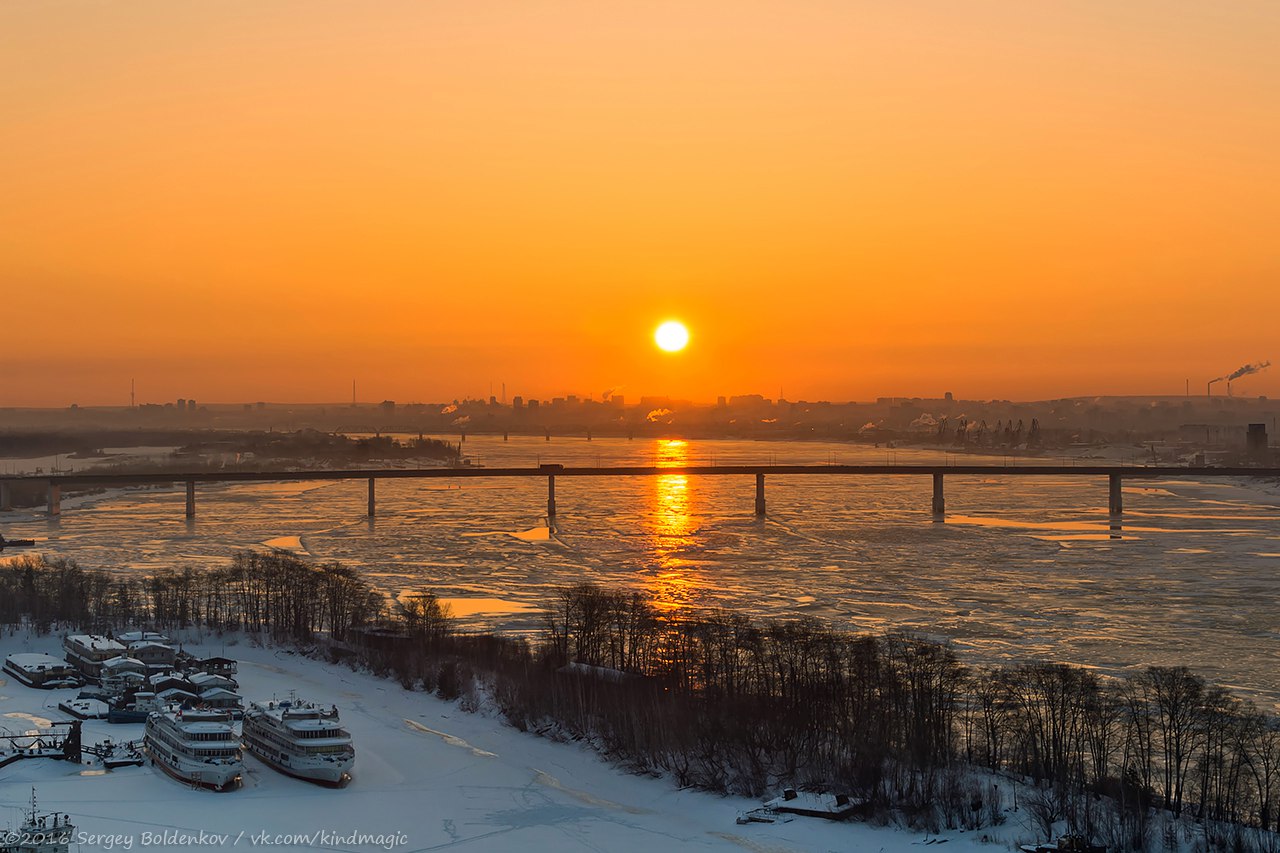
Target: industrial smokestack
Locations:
point(1236, 374)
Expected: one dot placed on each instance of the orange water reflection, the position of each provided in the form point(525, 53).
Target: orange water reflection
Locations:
point(673, 582)
point(671, 453)
point(670, 510)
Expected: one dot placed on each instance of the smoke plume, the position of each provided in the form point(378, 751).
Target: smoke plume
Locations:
point(1247, 369)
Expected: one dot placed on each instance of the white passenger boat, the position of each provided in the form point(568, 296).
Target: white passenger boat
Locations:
point(195, 746)
point(301, 739)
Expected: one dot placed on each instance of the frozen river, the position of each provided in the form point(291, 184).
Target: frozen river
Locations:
point(1023, 567)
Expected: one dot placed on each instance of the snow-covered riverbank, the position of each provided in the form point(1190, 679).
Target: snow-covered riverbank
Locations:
point(428, 776)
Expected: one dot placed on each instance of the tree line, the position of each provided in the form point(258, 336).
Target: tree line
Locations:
point(273, 593)
point(728, 703)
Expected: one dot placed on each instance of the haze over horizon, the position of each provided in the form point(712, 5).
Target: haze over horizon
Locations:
point(632, 399)
point(259, 201)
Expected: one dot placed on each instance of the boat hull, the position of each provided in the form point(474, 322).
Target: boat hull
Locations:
point(214, 777)
point(335, 774)
point(118, 715)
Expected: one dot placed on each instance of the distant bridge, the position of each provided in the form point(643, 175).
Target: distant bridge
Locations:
point(1114, 474)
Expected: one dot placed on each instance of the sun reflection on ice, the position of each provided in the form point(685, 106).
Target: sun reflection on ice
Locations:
point(672, 453)
point(671, 522)
point(671, 509)
point(671, 513)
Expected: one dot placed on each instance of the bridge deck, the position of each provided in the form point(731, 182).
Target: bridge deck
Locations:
point(1028, 470)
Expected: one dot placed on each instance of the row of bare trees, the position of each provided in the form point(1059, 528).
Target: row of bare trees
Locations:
point(725, 701)
point(275, 592)
point(46, 594)
point(1162, 737)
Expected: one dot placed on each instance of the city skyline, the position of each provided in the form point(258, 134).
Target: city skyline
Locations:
point(1218, 387)
point(620, 396)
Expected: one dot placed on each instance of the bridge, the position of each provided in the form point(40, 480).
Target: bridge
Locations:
point(1115, 476)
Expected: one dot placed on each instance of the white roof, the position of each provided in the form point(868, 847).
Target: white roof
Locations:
point(812, 802)
point(206, 728)
point(219, 693)
point(34, 660)
point(205, 722)
point(122, 661)
point(205, 678)
point(93, 641)
point(136, 636)
point(300, 716)
point(157, 677)
point(308, 725)
point(149, 644)
point(88, 707)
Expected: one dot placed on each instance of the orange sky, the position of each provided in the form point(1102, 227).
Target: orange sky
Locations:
point(243, 199)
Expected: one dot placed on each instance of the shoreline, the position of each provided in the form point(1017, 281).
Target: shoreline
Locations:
point(424, 769)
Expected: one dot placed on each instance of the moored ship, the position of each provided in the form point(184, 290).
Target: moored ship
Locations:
point(195, 746)
point(300, 739)
point(39, 833)
point(136, 710)
point(41, 671)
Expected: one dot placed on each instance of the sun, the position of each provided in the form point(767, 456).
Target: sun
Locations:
point(671, 336)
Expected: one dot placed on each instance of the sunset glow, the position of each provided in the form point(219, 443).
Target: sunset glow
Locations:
point(247, 201)
point(795, 408)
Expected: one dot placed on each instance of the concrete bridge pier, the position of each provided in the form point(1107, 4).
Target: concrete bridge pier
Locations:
point(372, 500)
point(760, 495)
point(939, 498)
point(6, 498)
point(1116, 502)
point(551, 497)
point(55, 499)
point(191, 498)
